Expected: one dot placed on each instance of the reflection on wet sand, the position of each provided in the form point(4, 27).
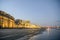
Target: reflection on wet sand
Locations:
point(49, 34)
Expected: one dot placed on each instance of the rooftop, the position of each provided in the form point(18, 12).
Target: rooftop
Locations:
point(6, 15)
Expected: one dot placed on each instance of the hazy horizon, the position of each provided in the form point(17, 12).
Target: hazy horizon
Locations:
point(42, 12)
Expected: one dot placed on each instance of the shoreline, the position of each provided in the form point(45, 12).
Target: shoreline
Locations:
point(18, 33)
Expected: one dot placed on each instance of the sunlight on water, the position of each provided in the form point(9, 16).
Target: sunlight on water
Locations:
point(48, 30)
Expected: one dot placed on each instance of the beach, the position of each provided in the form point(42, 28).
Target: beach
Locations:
point(18, 34)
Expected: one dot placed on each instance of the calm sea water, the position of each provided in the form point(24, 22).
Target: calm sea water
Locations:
point(49, 34)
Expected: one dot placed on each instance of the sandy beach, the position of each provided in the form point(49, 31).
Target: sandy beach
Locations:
point(17, 34)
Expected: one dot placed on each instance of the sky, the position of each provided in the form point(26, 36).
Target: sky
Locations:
point(41, 12)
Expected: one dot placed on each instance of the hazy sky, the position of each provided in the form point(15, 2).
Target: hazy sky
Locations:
point(43, 12)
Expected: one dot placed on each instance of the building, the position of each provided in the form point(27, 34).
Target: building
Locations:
point(22, 23)
point(27, 24)
point(6, 20)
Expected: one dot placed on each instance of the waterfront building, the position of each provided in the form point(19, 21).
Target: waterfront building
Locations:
point(6, 20)
point(27, 24)
point(22, 23)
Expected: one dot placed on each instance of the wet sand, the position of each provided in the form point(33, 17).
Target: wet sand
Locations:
point(18, 34)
